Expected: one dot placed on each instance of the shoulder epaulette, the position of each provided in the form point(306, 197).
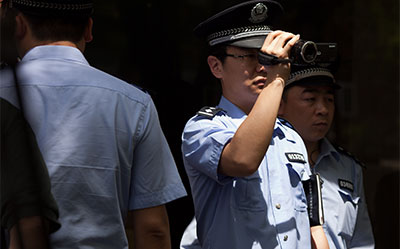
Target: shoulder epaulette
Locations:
point(286, 123)
point(209, 112)
point(345, 152)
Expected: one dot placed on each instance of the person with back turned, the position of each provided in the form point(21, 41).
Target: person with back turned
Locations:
point(100, 136)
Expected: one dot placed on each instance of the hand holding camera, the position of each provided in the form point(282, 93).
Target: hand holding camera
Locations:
point(304, 53)
point(277, 47)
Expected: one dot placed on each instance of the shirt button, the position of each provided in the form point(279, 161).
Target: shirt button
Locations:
point(278, 206)
point(285, 238)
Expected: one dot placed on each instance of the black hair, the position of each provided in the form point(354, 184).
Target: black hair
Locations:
point(218, 51)
point(57, 28)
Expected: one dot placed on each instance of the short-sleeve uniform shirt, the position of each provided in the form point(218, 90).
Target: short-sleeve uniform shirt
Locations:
point(347, 223)
point(101, 140)
point(265, 210)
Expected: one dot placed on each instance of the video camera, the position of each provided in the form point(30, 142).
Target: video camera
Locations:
point(305, 53)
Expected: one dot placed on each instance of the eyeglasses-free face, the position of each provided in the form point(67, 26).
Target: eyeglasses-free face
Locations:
point(310, 109)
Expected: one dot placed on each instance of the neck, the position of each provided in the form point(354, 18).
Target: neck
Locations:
point(24, 49)
point(313, 151)
point(245, 107)
point(63, 43)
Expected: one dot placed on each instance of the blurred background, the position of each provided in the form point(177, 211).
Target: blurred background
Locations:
point(150, 43)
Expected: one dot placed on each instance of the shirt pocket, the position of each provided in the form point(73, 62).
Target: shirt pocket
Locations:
point(300, 202)
point(247, 194)
point(347, 215)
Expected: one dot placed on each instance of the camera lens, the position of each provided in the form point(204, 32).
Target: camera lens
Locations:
point(309, 51)
point(304, 52)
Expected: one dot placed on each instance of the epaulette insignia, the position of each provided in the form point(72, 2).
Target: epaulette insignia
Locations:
point(208, 111)
point(286, 123)
point(340, 149)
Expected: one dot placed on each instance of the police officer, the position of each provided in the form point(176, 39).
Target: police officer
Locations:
point(244, 165)
point(308, 103)
point(100, 137)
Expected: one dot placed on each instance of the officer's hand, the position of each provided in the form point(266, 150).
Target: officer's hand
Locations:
point(279, 44)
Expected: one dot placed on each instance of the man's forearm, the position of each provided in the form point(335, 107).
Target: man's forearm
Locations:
point(152, 240)
point(30, 233)
point(243, 155)
point(150, 228)
point(318, 238)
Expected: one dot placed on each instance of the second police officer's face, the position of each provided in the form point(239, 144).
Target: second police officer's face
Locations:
point(310, 109)
point(242, 77)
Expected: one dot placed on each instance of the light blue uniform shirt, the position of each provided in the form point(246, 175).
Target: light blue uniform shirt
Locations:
point(347, 224)
point(265, 210)
point(102, 143)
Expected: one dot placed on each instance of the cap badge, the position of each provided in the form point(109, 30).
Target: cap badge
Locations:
point(258, 13)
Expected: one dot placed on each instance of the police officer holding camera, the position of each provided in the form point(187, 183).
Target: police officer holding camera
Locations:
point(244, 165)
point(308, 103)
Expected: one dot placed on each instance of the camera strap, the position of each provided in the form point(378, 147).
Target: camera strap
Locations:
point(269, 59)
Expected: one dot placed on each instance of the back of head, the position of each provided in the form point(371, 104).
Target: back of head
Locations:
point(55, 20)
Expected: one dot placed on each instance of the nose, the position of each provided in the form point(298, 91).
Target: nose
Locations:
point(322, 108)
point(260, 67)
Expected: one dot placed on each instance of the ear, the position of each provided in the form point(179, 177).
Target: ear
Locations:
point(88, 36)
point(215, 65)
point(21, 27)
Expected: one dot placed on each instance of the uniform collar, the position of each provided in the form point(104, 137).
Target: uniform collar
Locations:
point(55, 52)
point(232, 110)
point(235, 112)
point(327, 149)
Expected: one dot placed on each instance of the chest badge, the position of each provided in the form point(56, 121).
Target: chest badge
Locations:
point(346, 184)
point(295, 157)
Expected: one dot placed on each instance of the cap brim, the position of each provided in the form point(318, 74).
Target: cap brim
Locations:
point(251, 42)
point(315, 80)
